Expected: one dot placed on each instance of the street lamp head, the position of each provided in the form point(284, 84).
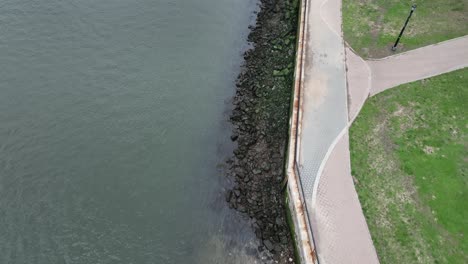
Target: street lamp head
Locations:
point(413, 7)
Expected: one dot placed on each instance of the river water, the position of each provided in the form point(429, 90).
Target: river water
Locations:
point(113, 131)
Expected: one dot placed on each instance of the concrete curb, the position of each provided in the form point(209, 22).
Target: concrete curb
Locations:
point(303, 236)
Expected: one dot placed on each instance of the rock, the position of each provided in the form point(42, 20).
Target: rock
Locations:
point(258, 233)
point(234, 136)
point(255, 226)
point(256, 171)
point(241, 175)
point(279, 221)
point(284, 240)
point(282, 72)
point(241, 208)
point(265, 166)
point(268, 244)
point(233, 203)
point(228, 196)
point(277, 248)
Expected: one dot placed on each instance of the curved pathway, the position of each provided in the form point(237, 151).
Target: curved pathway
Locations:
point(335, 85)
point(419, 64)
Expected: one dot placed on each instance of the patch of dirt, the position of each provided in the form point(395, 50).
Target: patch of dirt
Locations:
point(429, 150)
point(406, 117)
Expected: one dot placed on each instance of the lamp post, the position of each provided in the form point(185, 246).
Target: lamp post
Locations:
point(413, 7)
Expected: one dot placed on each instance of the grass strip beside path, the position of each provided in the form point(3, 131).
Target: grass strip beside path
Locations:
point(372, 26)
point(409, 160)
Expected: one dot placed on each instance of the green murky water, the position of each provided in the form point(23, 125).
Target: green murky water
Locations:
point(112, 126)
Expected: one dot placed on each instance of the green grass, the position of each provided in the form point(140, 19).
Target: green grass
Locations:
point(409, 158)
point(372, 26)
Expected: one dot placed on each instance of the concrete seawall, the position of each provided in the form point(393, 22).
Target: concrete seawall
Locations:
point(303, 237)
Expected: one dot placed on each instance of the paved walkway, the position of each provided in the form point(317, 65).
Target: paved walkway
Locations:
point(418, 64)
point(338, 224)
point(332, 98)
point(368, 78)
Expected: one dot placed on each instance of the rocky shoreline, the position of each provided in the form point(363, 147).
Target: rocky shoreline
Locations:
point(260, 120)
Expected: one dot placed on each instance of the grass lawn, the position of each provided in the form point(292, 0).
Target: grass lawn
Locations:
point(409, 149)
point(372, 26)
